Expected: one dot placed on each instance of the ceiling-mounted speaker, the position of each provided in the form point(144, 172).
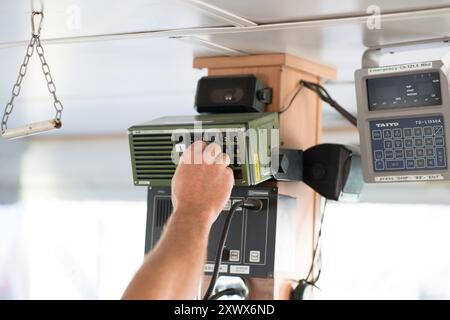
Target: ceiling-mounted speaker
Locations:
point(232, 94)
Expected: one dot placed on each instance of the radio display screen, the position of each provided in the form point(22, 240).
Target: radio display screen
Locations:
point(415, 90)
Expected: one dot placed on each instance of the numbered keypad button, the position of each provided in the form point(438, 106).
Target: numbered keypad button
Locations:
point(418, 132)
point(397, 133)
point(428, 131)
point(439, 141)
point(407, 132)
point(409, 153)
point(418, 142)
point(378, 154)
point(420, 152)
point(387, 134)
point(420, 163)
point(389, 154)
point(387, 144)
point(438, 130)
point(376, 134)
point(431, 163)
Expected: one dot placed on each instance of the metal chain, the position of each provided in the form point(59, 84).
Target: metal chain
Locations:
point(48, 77)
point(34, 44)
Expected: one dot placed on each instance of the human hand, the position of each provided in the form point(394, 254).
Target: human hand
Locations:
point(202, 182)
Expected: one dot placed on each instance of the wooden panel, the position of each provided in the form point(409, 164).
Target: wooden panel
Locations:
point(300, 128)
point(264, 60)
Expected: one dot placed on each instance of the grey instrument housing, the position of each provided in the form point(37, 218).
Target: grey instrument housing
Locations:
point(365, 116)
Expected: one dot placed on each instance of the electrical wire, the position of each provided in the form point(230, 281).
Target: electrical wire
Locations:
point(324, 96)
point(316, 248)
point(227, 292)
point(314, 257)
point(254, 204)
point(286, 108)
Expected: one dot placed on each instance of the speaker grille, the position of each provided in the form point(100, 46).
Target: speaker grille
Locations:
point(163, 211)
point(153, 156)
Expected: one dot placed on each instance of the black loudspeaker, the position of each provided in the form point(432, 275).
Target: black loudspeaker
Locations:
point(231, 94)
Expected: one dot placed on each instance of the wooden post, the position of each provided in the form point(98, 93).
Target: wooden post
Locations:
point(299, 129)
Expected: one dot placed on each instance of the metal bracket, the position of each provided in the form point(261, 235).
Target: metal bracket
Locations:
point(371, 57)
point(287, 164)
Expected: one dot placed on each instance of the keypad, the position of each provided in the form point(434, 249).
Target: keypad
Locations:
point(409, 144)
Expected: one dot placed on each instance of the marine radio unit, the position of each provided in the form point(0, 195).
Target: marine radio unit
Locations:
point(248, 139)
point(403, 117)
point(257, 240)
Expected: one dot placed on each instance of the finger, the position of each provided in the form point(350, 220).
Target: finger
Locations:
point(223, 159)
point(198, 147)
point(211, 152)
point(193, 154)
point(231, 174)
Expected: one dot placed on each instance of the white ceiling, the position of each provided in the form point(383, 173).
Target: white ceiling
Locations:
point(99, 17)
point(267, 11)
point(109, 79)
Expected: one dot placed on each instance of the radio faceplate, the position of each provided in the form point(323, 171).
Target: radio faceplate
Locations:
point(257, 240)
point(247, 138)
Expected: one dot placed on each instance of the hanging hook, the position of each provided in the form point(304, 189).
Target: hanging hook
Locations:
point(36, 32)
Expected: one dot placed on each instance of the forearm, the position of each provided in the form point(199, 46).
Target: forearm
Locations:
point(174, 268)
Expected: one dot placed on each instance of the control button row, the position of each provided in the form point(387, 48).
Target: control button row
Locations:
point(407, 153)
point(410, 164)
point(413, 142)
point(407, 132)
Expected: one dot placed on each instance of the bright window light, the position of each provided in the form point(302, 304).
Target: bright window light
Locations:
point(385, 251)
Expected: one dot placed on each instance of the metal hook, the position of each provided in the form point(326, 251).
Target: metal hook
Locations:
point(33, 24)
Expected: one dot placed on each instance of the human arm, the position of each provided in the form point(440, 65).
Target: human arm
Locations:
point(201, 186)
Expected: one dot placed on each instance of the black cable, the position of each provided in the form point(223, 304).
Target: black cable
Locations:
point(319, 236)
point(227, 292)
point(300, 87)
point(254, 204)
point(325, 96)
point(300, 289)
point(314, 257)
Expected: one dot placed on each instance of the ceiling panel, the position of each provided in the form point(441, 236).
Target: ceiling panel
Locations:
point(340, 45)
point(70, 18)
point(267, 11)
